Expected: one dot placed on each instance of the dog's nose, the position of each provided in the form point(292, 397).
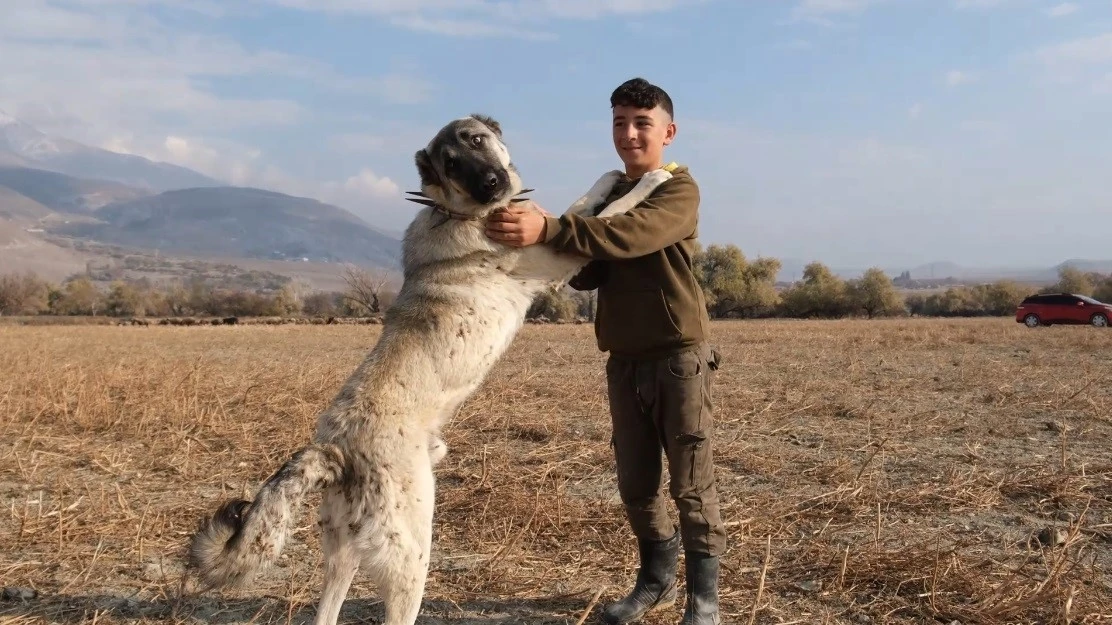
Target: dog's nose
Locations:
point(491, 180)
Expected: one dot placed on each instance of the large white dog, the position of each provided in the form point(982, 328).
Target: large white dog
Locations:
point(462, 300)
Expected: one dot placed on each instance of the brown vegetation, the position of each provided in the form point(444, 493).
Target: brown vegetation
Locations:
point(887, 471)
point(734, 287)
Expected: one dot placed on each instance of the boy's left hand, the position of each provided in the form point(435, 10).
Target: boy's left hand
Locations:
point(519, 225)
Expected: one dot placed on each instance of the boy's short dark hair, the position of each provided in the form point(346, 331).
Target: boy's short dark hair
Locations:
point(642, 94)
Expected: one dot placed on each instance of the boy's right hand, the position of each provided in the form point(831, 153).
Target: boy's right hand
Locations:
point(520, 224)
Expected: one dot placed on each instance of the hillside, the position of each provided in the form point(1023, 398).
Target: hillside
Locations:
point(237, 222)
point(26, 146)
point(63, 193)
point(15, 206)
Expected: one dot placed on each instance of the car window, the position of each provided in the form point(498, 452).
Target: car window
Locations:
point(1090, 300)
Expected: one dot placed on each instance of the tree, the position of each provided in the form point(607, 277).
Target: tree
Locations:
point(553, 305)
point(1001, 297)
point(875, 294)
point(23, 294)
point(124, 300)
point(586, 303)
point(289, 299)
point(322, 304)
point(732, 286)
point(1072, 280)
point(1103, 291)
point(364, 289)
point(819, 294)
point(78, 296)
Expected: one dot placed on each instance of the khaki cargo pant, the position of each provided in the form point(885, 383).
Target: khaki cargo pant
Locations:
point(666, 405)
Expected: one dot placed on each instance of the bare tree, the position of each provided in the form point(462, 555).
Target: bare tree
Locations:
point(365, 288)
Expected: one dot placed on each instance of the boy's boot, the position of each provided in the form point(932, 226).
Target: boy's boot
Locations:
point(702, 589)
point(656, 582)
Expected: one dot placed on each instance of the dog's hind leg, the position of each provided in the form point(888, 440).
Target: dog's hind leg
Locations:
point(403, 549)
point(341, 560)
point(437, 449)
point(403, 589)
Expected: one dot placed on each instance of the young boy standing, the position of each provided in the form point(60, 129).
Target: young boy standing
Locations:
point(652, 319)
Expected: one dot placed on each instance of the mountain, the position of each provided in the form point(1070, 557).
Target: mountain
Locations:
point(24, 145)
point(15, 206)
point(938, 270)
point(238, 222)
point(65, 194)
point(1086, 265)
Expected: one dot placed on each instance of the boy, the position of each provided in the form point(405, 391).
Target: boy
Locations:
point(652, 319)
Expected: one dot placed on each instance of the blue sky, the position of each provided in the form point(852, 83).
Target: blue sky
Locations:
point(855, 132)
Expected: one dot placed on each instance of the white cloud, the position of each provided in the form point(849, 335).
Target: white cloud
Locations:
point(107, 73)
point(1063, 9)
point(1081, 61)
point(468, 28)
point(979, 4)
point(795, 44)
point(363, 186)
point(484, 18)
point(134, 72)
point(357, 142)
point(1084, 51)
point(819, 11)
point(1103, 85)
point(958, 77)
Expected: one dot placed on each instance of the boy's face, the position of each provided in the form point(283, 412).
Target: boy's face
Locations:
point(640, 136)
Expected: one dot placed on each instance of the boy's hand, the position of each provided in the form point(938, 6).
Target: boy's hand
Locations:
point(519, 225)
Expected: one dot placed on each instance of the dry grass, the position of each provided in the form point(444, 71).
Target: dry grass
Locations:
point(893, 472)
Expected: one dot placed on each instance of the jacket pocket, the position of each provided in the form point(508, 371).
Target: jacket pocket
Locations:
point(634, 320)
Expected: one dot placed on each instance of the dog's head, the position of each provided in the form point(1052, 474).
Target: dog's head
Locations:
point(466, 165)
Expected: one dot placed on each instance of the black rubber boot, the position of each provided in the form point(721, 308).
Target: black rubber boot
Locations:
point(656, 582)
point(702, 589)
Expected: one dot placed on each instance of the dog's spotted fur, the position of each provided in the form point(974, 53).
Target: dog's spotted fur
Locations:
point(463, 299)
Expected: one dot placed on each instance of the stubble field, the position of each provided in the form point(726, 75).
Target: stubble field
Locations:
point(911, 471)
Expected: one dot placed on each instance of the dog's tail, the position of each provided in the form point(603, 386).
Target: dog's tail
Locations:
point(231, 546)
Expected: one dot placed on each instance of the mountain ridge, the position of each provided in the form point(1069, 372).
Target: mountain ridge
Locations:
point(24, 145)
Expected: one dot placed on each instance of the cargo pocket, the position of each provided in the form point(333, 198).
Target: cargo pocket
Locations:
point(685, 365)
point(714, 359)
point(695, 449)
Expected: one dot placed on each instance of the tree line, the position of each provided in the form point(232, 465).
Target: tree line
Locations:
point(733, 286)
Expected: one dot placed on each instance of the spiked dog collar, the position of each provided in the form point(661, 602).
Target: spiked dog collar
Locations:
point(424, 200)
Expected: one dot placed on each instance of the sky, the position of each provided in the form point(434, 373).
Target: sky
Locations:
point(855, 132)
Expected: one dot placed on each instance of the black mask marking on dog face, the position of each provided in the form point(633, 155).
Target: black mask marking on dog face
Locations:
point(467, 156)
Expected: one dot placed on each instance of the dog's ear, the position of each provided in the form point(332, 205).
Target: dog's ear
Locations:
point(425, 169)
point(489, 122)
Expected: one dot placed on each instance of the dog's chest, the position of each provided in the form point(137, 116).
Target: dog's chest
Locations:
point(490, 313)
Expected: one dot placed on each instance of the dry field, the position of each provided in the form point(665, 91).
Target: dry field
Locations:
point(913, 471)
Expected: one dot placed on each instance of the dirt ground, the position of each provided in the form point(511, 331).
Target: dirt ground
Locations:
point(897, 471)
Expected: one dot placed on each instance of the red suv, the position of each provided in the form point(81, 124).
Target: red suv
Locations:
point(1066, 308)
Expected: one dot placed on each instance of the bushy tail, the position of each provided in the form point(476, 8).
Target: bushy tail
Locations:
point(230, 547)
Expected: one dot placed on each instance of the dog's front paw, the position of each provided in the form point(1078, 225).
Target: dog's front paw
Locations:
point(657, 177)
point(603, 186)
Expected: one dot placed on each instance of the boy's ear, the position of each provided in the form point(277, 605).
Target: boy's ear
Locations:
point(489, 122)
point(425, 169)
point(670, 133)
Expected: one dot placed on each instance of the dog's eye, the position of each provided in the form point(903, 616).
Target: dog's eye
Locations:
point(450, 163)
point(477, 140)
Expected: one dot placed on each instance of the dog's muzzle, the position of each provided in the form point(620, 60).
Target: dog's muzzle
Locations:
point(490, 185)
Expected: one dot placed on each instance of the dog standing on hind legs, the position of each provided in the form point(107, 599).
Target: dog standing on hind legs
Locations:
point(462, 300)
